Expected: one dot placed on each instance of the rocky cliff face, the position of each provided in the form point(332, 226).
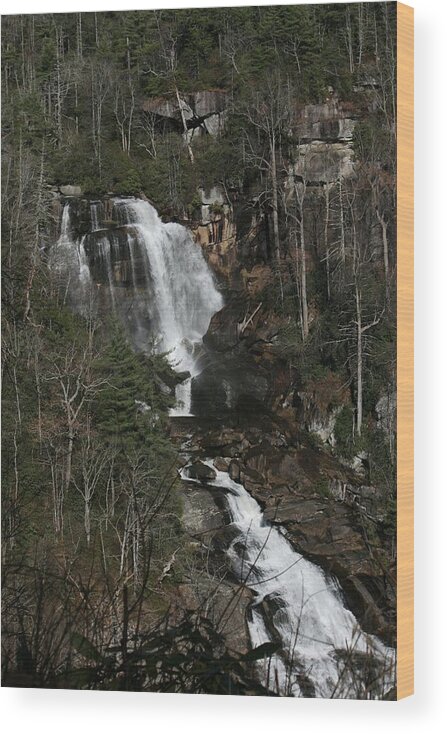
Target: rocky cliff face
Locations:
point(203, 112)
point(325, 134)
point(215, 231)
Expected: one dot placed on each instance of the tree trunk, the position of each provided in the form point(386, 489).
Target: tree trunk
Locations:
point(349, 39)
point(39, 397)
point(298, 286)
point(58, 90)
point(69, 457)
point(79, 35)
point(99, 124)
point(326, 241)
point(360, 32)
point(92, 97)
point(131, 112)
point(76, 108)
point(342, 226)
point(275, 201)
point(384, 227)
point(35, 251)
point(303, 281)
point(87, 519)
point(304, 306)
point(359, 363)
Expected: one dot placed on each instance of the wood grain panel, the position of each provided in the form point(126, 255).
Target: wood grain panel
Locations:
point(405, 352)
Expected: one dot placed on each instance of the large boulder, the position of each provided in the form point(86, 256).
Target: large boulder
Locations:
point(203, 112)
point(221, 463)
point(200, 471)
point(70, 190)
point(222, 334)
point(321, 162)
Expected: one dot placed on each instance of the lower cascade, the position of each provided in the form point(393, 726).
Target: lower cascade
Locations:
point(323, 651)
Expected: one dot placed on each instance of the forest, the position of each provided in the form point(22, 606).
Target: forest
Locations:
point(269, 133)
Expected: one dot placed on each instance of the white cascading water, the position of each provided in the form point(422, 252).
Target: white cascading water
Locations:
point(69, 259)
point(185, 294)
point(94, 216)
point(316, 631)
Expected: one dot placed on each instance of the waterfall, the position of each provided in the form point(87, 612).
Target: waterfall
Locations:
point(84, 270)
point(69, 260)
point(185, 296)
point(94, 216)
point(321, 641)
point(172, 295)
point(105, 250)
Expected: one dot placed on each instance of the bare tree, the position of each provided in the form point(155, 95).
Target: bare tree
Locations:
point(361, 328)
point(76, 385)
point(300, 193)
point(366, 316)
point(381, 190)
point(41, 210)
point(124, 108)
point(267, 114)
point(100, 88)
point(96, 465)
point(231, 45)
point(61, 81)
point(147, 125)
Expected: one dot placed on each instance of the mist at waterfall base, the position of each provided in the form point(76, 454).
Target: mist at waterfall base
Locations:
point(172, 291)
point(323, 651)
point(157, 282)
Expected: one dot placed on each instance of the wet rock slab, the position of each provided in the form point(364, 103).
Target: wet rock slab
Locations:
point(211, 583)
point(200, 471)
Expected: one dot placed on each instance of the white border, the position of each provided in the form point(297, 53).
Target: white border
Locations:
point(37, 711)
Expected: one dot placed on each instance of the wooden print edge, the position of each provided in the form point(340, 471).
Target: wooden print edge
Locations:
point(405, 352)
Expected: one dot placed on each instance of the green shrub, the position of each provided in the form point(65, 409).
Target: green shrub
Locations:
point(343, 432)
point(216, 208)
point(321, 487)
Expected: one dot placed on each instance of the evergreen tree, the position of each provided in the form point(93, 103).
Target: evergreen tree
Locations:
point(130, 408)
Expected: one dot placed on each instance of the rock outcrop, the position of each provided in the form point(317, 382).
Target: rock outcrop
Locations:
point(204, 112)
point(212, 582)
point(215, 231)
point(200, 471)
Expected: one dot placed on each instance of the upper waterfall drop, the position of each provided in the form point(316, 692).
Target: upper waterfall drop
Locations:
point(152, 275)
point(185, 295)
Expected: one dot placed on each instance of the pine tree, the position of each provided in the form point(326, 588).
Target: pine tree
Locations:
point(118, 417)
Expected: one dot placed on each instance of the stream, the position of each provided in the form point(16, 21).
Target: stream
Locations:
point(323, 651)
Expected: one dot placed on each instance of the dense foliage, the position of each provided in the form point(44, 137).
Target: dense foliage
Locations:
point(91, 515)
point(74, 84)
